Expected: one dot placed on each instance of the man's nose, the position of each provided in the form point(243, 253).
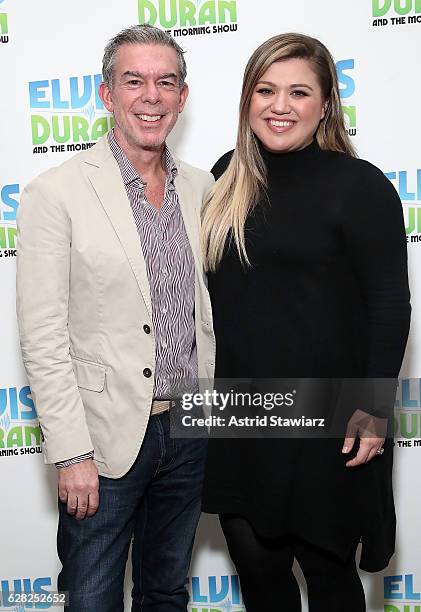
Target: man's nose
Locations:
point(150, 93)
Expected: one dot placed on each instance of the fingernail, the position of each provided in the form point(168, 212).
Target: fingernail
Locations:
point(345, 449)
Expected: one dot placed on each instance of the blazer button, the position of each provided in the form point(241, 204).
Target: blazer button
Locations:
point(147, 373)
point(146, 329)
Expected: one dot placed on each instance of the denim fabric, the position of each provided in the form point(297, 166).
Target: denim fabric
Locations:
point(157, 503)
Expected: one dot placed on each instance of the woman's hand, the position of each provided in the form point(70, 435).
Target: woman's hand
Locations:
point(371, 431)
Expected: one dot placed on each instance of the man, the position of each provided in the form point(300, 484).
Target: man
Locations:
point(113, 314)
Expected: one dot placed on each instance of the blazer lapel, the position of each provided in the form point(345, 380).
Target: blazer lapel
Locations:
point(191, 217)
point(106, 180)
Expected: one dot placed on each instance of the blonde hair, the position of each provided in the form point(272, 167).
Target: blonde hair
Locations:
point(244, 181)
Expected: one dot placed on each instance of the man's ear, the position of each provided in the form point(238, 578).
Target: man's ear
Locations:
point(106, 97)
point(184, 92)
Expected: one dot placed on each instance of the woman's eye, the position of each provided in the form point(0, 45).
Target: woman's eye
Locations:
point(299, 93)
point(264, 91)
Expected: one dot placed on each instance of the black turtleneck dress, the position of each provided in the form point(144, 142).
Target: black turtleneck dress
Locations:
point(326, 295)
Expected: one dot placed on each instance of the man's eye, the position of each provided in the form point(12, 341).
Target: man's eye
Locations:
point(167, 83)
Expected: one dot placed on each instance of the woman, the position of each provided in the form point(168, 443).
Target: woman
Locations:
point(306, 254)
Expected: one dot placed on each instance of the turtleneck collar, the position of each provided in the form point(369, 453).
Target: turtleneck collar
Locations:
point(311, 151)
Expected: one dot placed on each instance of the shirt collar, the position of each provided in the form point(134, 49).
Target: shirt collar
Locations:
point(128, 171)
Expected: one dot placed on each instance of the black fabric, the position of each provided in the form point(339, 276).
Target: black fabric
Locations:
point(326, 295)
point(267, 580)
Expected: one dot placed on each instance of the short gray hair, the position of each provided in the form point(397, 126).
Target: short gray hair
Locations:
point(140, 35)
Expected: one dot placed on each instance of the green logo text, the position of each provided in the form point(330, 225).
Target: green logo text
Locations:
point(401, 7)
point(185, 12)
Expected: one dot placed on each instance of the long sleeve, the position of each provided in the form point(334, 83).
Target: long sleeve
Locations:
point(43, 277)
point(374, 235)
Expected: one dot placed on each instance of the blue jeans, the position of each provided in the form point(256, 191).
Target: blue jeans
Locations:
point(157, 503)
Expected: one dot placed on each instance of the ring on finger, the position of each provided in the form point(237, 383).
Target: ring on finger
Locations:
point(380, 451)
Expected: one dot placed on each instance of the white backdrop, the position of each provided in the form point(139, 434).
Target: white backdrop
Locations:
point(50, 54)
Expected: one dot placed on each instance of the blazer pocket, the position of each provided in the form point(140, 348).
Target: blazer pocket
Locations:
point(89, 376)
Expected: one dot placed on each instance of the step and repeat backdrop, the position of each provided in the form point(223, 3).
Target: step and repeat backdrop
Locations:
point(50, 57)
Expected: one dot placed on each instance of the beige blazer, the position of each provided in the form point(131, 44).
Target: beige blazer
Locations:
point(82, 301)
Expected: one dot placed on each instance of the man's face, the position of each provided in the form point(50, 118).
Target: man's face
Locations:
point(145, 97)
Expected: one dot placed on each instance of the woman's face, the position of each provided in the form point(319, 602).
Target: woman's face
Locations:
point(286, 106)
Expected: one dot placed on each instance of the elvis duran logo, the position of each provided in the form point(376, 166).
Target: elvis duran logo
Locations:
point(346, 91)
point(20, 433)
point(4, 27)
point(401, 594)
point(408, 186)
point(188, 17)
point(14, 590)
point(399, 12)
point(407, 420)
point(8, 209)
point(215, 594)
point(67, 114)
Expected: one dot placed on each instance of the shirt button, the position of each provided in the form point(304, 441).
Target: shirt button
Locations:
point(146, 329)
point(147, 373)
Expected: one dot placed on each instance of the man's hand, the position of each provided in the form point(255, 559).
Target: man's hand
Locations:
point(371, 431)
point(78, 485)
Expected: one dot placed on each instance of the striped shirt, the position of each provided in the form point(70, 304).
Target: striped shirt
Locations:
point(170, 269)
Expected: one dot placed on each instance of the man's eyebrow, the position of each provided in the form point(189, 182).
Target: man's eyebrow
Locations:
point(168, 75)
point(133, 73)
